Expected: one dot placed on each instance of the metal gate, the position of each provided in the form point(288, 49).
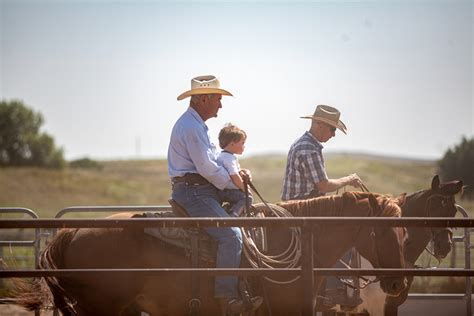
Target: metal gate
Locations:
point(307, 270)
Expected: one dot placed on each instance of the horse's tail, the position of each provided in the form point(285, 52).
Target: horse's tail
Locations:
point(47, 292)
point(31, 294)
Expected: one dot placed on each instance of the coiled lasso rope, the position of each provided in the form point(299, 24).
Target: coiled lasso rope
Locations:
point(255, 251)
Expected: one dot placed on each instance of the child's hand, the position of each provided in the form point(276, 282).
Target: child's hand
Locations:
point(245, 175)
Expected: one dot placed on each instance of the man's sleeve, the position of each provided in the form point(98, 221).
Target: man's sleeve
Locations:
point(203, 158)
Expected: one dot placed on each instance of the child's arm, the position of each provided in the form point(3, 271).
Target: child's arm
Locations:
point(237, 180)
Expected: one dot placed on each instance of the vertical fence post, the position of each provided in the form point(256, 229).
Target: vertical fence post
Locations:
point(307, 275)
point(467, 258)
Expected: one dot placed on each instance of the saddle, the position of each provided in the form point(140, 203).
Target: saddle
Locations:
point(194, 241)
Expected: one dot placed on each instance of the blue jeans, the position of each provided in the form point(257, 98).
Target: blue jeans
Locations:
point(203, 201)
point(331, 281)
point(236, 198)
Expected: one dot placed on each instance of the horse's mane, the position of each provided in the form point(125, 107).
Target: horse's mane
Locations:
point(333, 205)
point(320, 206)
point(387, 203)
point(389, 207)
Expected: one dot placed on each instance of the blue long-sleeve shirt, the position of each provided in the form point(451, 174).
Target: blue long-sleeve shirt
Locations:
point(191, 151)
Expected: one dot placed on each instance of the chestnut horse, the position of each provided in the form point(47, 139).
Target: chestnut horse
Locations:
point(169, 294)
point(331, 242)
point(438, 201)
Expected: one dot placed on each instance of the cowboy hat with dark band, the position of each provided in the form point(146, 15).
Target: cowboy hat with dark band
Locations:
point(204, 85)
point(329, 115)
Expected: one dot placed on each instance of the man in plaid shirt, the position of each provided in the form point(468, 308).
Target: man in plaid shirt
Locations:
point(305, 175)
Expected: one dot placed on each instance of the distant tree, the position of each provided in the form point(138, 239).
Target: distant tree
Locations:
point(21, 143)
point(86, 163)
point(458, 163)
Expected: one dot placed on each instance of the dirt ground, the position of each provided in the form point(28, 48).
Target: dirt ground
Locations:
point(413, 307)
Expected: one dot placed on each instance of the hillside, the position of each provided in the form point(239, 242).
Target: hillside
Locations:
point(145, 182)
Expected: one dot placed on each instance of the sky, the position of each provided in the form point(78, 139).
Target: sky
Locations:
point(105, 74)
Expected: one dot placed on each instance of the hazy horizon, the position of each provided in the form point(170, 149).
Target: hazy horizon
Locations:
point(327, 153)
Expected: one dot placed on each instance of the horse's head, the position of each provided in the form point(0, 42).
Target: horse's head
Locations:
point(383, 246)
point(441, 203)
point(443, 243)
point(438, 201)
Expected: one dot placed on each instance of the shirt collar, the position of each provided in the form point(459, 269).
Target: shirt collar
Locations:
point(315, 140)
point(196, 116)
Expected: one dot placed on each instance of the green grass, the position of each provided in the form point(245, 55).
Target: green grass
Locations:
point(119, 183)
point(145, 182)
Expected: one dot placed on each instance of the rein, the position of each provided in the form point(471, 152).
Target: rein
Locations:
point(289, 258)
point(363, 281)
point(257, 259)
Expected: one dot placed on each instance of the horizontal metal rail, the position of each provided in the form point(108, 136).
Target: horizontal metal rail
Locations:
point(118, 208)
point(241, 271)
point(443, 296)
point(234, 222)
point(17, 243)
point(306, 223)
point(18, 210)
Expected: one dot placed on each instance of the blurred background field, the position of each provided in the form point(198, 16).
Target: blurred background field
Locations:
point(145, 182)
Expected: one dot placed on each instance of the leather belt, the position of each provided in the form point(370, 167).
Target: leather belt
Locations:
point(190, 179)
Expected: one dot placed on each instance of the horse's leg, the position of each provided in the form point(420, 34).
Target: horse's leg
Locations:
point(90, 311)
point(104, 310)
point(131, 310)
point(100, 304)
point(391, 310)
point(165, 295)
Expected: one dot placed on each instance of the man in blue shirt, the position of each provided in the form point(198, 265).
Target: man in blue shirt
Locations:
point(196, 178)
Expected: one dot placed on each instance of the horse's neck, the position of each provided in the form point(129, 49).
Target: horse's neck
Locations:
point(330, 250)
point(415, 245)
point(415, 204)
point(418, 238)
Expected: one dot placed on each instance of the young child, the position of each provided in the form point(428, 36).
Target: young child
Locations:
point(232, 141)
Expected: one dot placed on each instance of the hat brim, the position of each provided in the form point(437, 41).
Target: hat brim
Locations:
point(198, 91)
point(339, 125)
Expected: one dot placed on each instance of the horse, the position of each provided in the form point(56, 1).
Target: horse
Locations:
point(438, 201)
point(169, 294)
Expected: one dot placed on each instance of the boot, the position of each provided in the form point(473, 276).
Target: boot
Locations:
point(236, 306)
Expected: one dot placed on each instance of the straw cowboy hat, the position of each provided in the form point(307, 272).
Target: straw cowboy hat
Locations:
point(329, 115)
point(204, 85)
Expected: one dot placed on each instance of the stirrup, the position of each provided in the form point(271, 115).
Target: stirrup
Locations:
point(237, 306)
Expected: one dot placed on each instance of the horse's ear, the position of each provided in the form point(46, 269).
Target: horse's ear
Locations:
point(454, 187)
point(374, 204)
point(451, 187)
point(401, 199)
point(435, 183)
point(459, 187)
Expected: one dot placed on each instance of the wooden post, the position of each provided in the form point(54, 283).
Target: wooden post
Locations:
point(307, 275)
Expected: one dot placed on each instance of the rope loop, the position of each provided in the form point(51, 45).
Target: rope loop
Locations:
point(256, 252)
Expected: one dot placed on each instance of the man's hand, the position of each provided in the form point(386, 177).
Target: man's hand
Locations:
point(354, 180)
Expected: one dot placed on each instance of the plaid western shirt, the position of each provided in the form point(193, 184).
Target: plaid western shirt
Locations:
point(304, 168)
